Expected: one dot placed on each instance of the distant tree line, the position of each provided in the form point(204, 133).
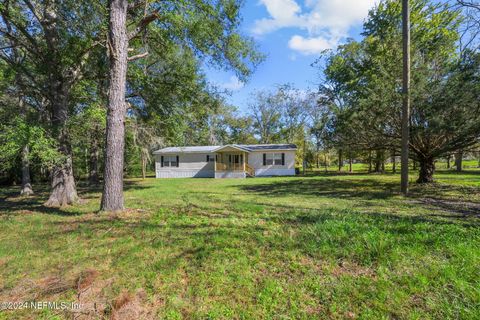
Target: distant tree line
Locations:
point(362, 86)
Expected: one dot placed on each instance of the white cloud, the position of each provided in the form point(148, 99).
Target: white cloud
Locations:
point(310, 45)
point(326, 21)
point(283, 13)
point(233, 84)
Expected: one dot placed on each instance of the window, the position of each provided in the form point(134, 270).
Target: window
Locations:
point(210, 158)
point(276, 159)
point(170, 161)
point(270, 159)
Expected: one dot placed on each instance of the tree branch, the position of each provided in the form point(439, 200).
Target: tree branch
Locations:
point(137, 56)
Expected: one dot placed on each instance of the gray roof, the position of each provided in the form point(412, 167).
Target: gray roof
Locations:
point(261, 147)
point(208, 149)
point(199, 149)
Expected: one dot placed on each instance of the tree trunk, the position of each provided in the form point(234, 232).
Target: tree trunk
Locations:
point(144, 166)
point(458, 160)
point(448, 162)
point(427, 168)
point(378, 161)
point(350, 162)
point(304, 158)
point(64, 191)
point(326, 162)
point(414, 165)
point(394, 164)
point(93, 160)
point(112, 197)
point(26, 183)
point(369, 161)
point(405, 95)
point(340, 159)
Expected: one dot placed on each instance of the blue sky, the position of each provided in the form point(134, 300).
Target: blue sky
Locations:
point(291, 33)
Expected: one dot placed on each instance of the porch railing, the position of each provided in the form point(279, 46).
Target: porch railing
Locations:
point(250, 170)
point(220, 166)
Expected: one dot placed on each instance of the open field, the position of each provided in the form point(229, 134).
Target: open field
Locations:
point(326, 246)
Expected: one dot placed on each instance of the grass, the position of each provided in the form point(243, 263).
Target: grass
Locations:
point(322, 246)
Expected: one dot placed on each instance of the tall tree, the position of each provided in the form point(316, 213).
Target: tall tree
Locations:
point(406, 95)
point(56, 39)
point(266, 115)
point(207, 28)
point(445, 93)
point(112, 196)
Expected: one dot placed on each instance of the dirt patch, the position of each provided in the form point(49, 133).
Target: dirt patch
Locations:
point(53, 285)
point(26, 212)
point(352, 269)
point(92, 299)
point(342, 268)
point(86, 278)
point(314, 310)
point(91, 295)
point(29, 289)
point(4, 261)
point(131, 306)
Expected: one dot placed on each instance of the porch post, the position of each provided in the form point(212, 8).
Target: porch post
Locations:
point(244, 162)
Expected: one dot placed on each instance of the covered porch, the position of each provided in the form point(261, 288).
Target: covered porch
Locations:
point(232, 162)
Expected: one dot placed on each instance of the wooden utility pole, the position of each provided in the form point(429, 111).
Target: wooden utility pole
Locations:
point(304, 155)
point(406, 95)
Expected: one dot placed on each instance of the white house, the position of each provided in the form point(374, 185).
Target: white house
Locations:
point(230, 161)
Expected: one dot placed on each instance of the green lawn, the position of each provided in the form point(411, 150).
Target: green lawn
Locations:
point(326, 246)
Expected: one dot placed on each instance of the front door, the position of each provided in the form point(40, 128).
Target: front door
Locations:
point(235, 161)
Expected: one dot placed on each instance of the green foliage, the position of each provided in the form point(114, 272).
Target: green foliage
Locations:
point(364, 84)
point(60, 59)
point(16, 135)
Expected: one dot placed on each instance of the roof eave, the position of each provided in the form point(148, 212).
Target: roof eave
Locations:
point(232, 146)
point(179, 151)
point(260, 150)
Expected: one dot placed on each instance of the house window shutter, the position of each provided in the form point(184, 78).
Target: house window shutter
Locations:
point(208, 157)
point(178, 161)
point(264, 159)
point(161, 161)
point(283, 159)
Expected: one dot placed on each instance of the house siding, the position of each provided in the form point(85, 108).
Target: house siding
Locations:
point(255, 159)
point(191, 165)
point(195, 165)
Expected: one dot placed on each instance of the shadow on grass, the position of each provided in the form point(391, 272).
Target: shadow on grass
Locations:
point(368, 189)
point(11, 202)
point(454, 172)
point(440, 197)
point(192, 242)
